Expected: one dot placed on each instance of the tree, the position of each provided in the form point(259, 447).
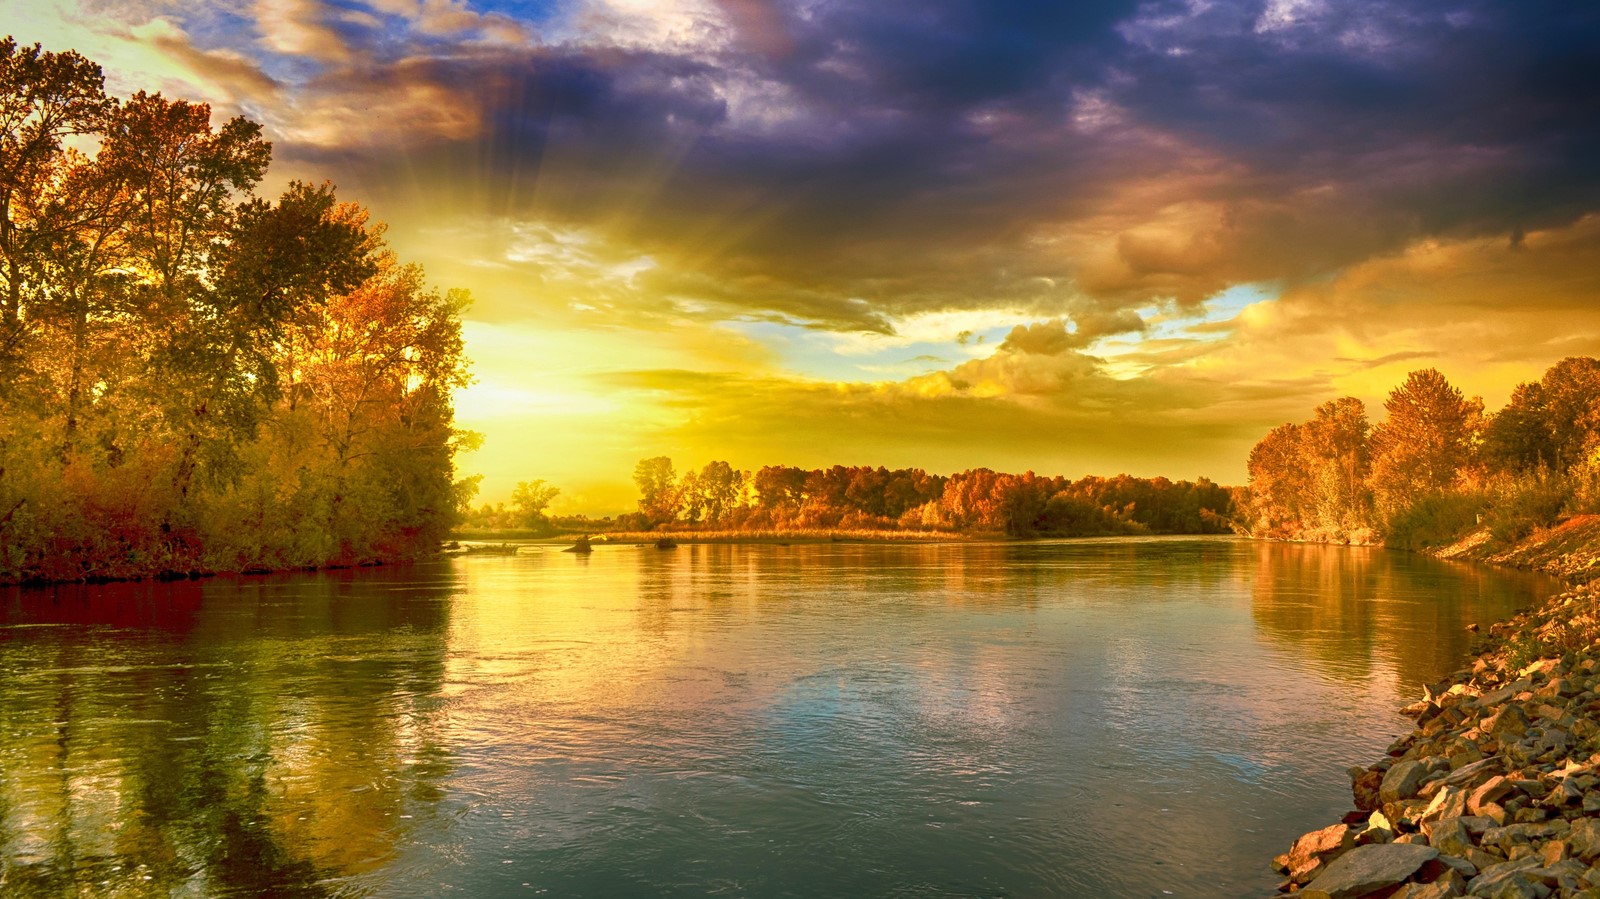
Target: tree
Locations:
point(719, 484)
point(1426, 444)
point(1520, 438)
point(1570, 390)
point(780, 486)
point(531, 499)
point(659, 498)
point(1279, 483)
point(1334, 446)
point(45, 98)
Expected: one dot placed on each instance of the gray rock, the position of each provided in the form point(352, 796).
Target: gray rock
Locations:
point(1584, 839)
point(1402, 781)
point(1367, 869)
point(1450, 837)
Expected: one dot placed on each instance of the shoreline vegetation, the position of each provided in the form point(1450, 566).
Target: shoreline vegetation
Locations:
point(1439, 473)
point(195, 379)
point(724, 504)
point(1496, 792)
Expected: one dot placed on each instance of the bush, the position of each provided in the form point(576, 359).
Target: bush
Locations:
point(1525, 503)
point(1435, 520)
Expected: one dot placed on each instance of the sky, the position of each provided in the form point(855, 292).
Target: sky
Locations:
point(1074, 238)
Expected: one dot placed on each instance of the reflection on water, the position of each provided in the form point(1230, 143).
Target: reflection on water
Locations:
point(1097, 718)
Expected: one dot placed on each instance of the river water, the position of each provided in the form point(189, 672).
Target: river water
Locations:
point(1121, 718)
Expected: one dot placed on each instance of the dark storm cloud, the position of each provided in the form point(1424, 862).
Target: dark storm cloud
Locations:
point(929, 155)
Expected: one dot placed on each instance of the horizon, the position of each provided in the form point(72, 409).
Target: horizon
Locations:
point(1120, 238)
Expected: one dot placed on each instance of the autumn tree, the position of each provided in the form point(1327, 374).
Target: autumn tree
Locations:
point(1336, 461)
point(1427, 443)
point(659, 497)
point(719, 485)
point(45, 98)
point(1521, 436)
point(194, 378)
point(1279, 483)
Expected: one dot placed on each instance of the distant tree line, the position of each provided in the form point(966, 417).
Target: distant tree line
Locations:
point(1437, 466)
point(194, 378)
point(778, 497)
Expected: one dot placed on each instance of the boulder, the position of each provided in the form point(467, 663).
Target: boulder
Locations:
point(1368, 869)
point(1584, 839)
point(1450, 836)
point(1489, 792)
point(1402, 781)
point(1312, 851)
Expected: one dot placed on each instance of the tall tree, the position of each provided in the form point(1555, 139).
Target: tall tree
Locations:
point(1427, 443)
point(659, 498)
point(45, 98)
point(1336, 458)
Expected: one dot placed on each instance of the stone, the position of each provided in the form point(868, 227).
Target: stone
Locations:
point(1450, 837)
point(1309, 854)
point(1474, 772)
point(1402, 781)
point(1364, 786)
point(1510, 721)
point(1554, 852)
point(1368, 869)
point(1584, 839)
point(1509, 881)
point(1448, 802)
point(1491, 791)
point(1439, 889)
point(1483, 860)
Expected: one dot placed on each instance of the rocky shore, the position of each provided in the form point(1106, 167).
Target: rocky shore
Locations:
point(1496, 793)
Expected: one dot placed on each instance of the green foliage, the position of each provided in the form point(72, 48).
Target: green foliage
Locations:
point(1522, 503)
point(531, 498)
point(1435, 520)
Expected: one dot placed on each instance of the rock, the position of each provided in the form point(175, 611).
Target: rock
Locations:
point(1450, 837)
point(1313, 851)
point(1491, 791)
point(1584, 839)
point(1402, 781)
point(1439, 889)
point(1448, 802)
point(1482, 860)
point(1509, 881)
point(1368, 869)
point(1474, 772)
point(1364, 786)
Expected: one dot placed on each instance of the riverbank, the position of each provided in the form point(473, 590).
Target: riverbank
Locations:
point(1496, 792)
point(1569, 549)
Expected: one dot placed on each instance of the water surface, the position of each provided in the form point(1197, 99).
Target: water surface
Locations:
point(1122, 718)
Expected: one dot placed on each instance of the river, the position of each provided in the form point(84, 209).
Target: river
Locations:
point(1118, 718)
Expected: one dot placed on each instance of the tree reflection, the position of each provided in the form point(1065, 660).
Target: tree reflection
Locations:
point(1360, 612)
point(271, 736)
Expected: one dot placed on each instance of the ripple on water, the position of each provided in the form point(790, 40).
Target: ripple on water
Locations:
point(1108, 719)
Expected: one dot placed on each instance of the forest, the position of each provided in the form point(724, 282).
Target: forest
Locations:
point(194, 378)
point(859, 498)
point(1436, 467)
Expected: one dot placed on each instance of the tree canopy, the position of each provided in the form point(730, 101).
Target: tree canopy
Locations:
point(194, 377)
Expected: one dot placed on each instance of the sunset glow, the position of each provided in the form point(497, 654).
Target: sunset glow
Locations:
point(1081, 238)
